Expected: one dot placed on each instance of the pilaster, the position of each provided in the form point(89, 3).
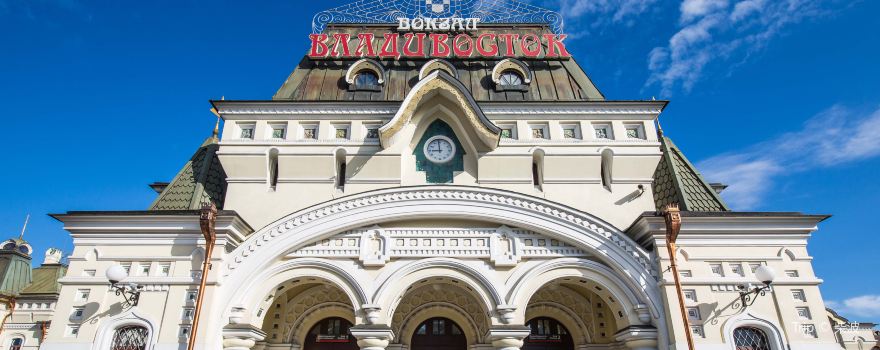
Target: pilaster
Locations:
point(241, 336)
point(372, 337)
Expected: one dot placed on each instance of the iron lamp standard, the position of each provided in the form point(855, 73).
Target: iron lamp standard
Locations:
point(766, 275)
point(131, 292)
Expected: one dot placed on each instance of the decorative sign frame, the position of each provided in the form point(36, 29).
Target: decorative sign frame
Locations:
point(390, 11)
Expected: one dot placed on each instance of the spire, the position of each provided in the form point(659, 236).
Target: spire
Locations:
point(26, 219)
point(216, 132)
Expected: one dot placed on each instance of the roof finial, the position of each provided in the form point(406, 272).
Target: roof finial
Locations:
point(659, 128)
point(26, 219)
point(216, 132)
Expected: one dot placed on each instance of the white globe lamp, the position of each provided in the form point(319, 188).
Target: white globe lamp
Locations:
point(765, 274)
point(116, 273)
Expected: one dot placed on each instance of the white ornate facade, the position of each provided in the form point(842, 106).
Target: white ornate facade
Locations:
point(550, 209)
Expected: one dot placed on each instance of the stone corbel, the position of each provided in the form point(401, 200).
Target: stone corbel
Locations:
point(374, 247)
point(638, 337)
point(506, 313)
point(644, 313)
point(372, 313)
point(507, 337)
point(372, 337)
point(506, 249)
point(241, 336)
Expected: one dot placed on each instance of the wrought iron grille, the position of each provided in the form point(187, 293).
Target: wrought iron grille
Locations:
point(750, 338)
point(388, 11)
point(130, 338)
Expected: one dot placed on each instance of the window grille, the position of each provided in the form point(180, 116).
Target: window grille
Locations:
point(750, 338)
point(130, 338)
point(16, 344)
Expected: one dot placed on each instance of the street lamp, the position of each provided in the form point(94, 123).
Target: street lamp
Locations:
point(131, 292)
point(766, 275)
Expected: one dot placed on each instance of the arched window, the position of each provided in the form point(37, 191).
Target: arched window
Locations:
point(273, 168)
point(366, 78)
point(16, 344)
point(130, 338)
point(605, 168)
point(438, 334)
point(510, 78)
point(538, 170)
point(340, 169)
point(750, 338)
point(547, 334)
point(331, 334)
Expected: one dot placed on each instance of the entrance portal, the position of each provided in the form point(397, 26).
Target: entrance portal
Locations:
point(331, 334)
point(438, 334)
point(547, 334)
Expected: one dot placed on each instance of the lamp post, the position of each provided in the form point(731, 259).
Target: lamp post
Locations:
point(766, 275)
point(131, 292)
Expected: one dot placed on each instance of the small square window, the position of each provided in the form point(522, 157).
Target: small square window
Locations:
point(754, 266)
point(184, 331)
point(693, 313)
point(603, 131)
point(341, 132)
point(247, 132)
point(798, 295)
point(279, 132)
point(372, 132)
point(165, 270)
point(539, 132)
point(809, 330)
point(191, 296)
point(89, 273)
point(685, 273)
point(571, 131)
point(804, 313)
point(792, 273)
point(72, 331)
point(635, 131)
point(690, 295)
point(310, 132)
point(737, 269)
point(717, 270)
point(77, 314)
point(698, 331)
point(144, 270)
point(507, 133)
point(188, 313)
point(126, 266)
point(82, 294)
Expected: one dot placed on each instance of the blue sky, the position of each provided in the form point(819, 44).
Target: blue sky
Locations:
point(778, 98)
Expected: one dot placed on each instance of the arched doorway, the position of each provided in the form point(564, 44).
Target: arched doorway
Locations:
point(438, 334)
point(330, 334)
point(547, 334)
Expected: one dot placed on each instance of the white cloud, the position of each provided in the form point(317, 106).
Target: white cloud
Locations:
point(834, 136)
point(867, 307)
point(716, 31)
point(618, 9)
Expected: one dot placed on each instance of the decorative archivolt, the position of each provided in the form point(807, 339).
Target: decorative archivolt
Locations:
point(511, 64)
point(362, 65)
point(436, 64)
point(585, 314)
point(290, 314)
point(443, 301)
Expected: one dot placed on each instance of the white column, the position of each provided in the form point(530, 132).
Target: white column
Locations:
point(372, 337)
point(241, 336)
point(638, 337)
point(507, 337)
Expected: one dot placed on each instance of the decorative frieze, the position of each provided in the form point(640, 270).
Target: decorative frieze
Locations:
point(503, 246)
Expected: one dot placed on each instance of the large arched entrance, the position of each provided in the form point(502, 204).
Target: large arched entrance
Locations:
point(438, 333)
point(330, 334)
point(546, 333)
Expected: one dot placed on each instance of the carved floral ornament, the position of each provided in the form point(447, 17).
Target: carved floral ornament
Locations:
point(268, 235)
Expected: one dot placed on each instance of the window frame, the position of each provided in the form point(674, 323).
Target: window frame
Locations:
point(357, 85)
point(609, 130)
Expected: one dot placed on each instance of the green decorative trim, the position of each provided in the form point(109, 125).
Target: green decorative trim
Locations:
point(439, 173)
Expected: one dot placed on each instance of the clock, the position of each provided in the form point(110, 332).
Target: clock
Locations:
point(439, 149)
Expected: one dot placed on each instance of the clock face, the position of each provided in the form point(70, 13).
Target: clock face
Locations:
point(439, 149)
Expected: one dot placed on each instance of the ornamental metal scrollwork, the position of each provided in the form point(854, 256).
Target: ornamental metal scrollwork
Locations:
point(388, 11)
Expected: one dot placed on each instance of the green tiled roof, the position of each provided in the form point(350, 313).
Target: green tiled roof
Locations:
point(201, 179)
point(15, 272)
point(676, 180)
point(45, 280)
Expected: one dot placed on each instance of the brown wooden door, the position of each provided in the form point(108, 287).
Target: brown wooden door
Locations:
point(547, 334)
point(438, 334)
point(331, 334)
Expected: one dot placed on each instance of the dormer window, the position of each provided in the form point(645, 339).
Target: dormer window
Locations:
point(366, 80)
point(510, 78)
point(365, 74)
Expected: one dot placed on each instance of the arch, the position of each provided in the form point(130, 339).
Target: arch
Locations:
point(750, 319)
point(527, 280)
point(435, 64)
point(467, 324)
point(365, 64)
point(394, 285)
point(785, 252)
point(441, 82)
point(260, 251)
point(538, 168)
point(606, 167)
point(511, 64)
point(108, 327)
point(262, 291)
point(340, 154)
point(564, 315)
point(7, 344)
point(312, 316)
point(272, 168)
point(92, 255)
